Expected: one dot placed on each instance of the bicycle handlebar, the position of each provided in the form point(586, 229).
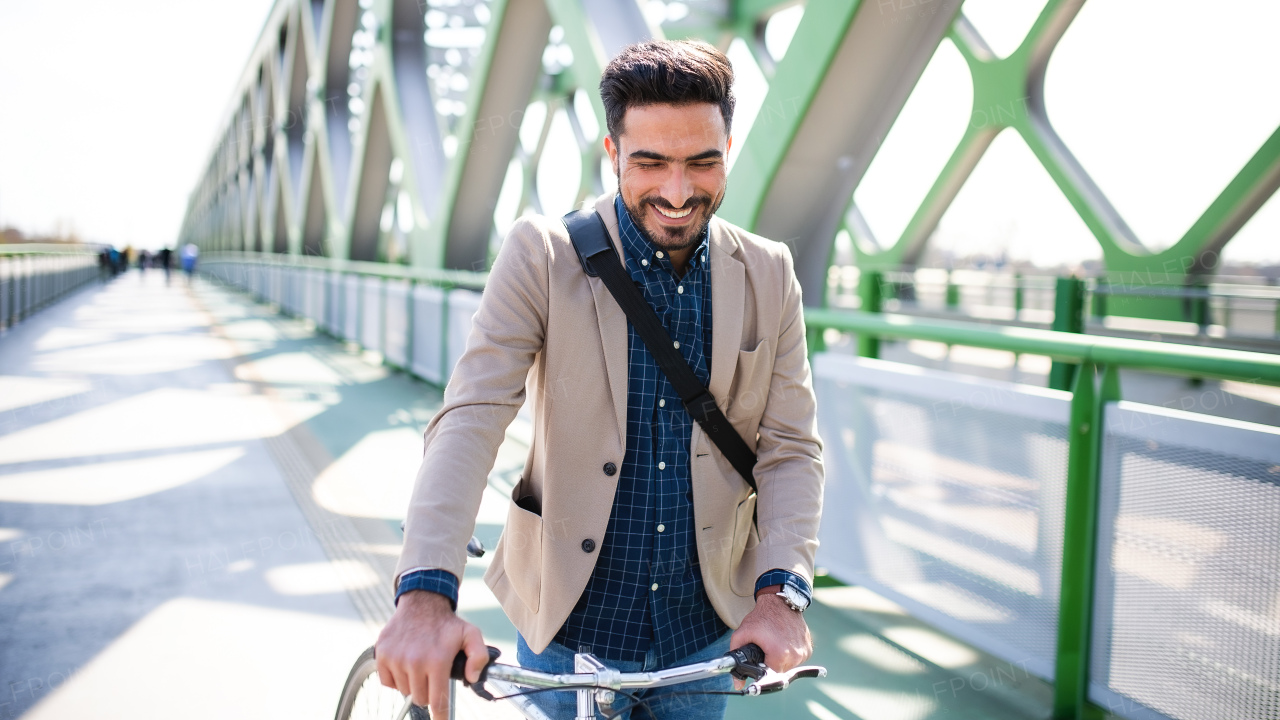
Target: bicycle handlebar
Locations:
point(746, 662)
point(459, 669)
point(750, 662)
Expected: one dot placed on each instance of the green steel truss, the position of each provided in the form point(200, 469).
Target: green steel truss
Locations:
point(387, 130)
point(1016, 83)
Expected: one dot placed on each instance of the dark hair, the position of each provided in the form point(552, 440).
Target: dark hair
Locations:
point(666, 72)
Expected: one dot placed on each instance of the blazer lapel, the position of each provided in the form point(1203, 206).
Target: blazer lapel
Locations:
point(728, 288)
point(613, 324)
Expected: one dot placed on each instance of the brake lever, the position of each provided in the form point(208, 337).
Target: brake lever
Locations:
point(780, 681)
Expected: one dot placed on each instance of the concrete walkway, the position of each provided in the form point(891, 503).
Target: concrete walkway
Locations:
point(154, 560)
point(199, 512)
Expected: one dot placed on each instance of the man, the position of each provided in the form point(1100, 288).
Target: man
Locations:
point(629, 532)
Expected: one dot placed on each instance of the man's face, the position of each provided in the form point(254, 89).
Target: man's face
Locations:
point(670, 162)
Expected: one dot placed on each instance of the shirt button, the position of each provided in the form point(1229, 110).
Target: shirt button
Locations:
point(658, 254)
point(653, 586)
point(676, 344)
point(644, 263)
point(661, 527)
point(588, 545)
point(610, 469)
point(680, 289)
point(662, 403)
point(662, 466)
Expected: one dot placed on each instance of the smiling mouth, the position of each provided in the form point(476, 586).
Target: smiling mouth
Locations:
point(674, 214)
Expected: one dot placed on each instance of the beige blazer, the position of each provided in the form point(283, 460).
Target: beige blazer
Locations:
point(546, 329)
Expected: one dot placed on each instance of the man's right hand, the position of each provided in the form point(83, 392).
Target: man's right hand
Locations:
point(416, 649)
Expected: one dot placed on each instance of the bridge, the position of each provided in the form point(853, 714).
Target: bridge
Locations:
point(1053, 487)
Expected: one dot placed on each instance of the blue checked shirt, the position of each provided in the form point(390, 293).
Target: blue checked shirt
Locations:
point(646, 588)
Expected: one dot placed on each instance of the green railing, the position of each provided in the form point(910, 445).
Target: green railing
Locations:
point(35, 275)
point(1097, 361)
point(217, 265)
point(1004, 296)
point(445, 279)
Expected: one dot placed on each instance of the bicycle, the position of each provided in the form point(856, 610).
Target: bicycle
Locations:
point(598, 686)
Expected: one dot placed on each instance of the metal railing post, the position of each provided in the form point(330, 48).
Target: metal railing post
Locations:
point(359, 338)
point(408, 326)
point(1018, 299)
point(1068, 316)
point(1079, 542)
point(382, 322)
point(1199, 307)
point(445, 289)
point(871, 293)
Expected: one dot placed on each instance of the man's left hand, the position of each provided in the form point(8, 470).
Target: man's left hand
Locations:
point(780, 631)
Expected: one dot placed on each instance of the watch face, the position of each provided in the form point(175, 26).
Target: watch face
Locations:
point(794, 597)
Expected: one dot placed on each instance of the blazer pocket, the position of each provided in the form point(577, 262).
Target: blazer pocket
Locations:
point(750, 388)
point(745, 537)
point(522, 549)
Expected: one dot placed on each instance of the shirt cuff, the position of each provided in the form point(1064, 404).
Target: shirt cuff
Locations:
point(437, 581)
point(783, 577)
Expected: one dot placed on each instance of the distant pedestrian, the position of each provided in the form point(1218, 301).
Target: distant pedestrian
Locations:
point(165, 258)
point(104, 265)
point(188, 257)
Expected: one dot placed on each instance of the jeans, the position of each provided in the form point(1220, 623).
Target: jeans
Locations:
point(665, 703)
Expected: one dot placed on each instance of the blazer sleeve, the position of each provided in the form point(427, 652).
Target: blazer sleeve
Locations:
point(789, 472)
point(482, 397)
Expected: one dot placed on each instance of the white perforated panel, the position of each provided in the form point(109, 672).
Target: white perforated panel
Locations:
point(945, 493)
point(1187, 600)
point(396, 321)
point(428, 319)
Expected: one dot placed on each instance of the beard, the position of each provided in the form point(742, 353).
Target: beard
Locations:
point(673, 238)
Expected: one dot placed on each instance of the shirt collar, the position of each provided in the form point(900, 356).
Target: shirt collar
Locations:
point(637, 247)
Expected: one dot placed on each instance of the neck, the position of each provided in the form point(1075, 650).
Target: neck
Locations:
point(680, 260)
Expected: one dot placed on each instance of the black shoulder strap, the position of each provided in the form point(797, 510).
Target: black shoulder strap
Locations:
point(600, 259)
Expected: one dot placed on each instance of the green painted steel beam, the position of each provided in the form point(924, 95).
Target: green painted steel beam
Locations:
point(835, 94)
point(616, 23)
point(1187, 360)
point(791, 91)
point(1198, 251)
point(506, 73)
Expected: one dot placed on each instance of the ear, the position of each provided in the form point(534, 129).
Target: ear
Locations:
point(611, 149)
point(728, 146)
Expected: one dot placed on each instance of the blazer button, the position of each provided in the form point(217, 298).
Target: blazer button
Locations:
point(588, 545)
point(609, 469)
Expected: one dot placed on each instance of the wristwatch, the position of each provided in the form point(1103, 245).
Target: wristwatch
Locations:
point(794, 599)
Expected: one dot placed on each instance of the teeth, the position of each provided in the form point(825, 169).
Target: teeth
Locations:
point(676, 215)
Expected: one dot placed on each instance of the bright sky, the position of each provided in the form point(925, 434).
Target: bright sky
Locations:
point(111, 108)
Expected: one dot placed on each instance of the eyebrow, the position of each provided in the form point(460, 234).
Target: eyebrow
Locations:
point(650, 155)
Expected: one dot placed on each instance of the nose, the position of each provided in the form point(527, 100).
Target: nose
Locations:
point(678, 188)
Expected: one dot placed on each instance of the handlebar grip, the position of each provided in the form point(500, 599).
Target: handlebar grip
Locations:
point(750, 662)
point(459, 669)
